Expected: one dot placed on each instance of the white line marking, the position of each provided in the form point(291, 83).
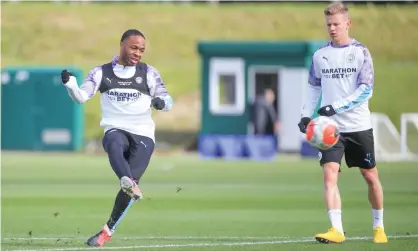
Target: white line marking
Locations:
point(296, 240)
point(155, 238)
point(175, 245)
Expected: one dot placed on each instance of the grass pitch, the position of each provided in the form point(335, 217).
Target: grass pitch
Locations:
point(55, 202)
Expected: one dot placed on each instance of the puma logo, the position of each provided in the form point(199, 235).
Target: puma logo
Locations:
point(144, 144)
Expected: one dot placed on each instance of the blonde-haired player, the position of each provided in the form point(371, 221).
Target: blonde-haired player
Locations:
point(342, 72)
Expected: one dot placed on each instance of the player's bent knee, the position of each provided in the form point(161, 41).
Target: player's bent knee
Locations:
point(370, 175)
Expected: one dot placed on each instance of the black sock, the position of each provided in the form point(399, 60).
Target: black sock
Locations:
point(122, 204)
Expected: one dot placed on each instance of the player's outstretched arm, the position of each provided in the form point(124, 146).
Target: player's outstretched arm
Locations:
point(87, 90)
point(161, 99)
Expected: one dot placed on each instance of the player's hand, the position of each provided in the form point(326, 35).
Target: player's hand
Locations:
point(326, 111)
point(65, 76)
point(158, 103)
point(304, 121)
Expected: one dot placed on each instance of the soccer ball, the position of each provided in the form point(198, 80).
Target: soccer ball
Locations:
point(322, 132)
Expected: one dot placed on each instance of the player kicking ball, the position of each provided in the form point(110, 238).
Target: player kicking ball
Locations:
point(342, 70)
point(129, 89)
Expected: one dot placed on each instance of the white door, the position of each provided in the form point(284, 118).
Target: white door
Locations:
point(292, 84)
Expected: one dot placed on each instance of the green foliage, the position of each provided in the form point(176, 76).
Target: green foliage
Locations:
point(87, 35)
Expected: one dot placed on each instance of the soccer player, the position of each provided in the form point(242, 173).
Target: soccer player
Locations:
point(342, 72)
point(129, 89)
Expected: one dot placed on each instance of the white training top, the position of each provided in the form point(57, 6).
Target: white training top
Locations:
point(124, 109)
point(344, 75)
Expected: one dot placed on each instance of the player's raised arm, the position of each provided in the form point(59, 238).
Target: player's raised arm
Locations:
point(161, 99)
point(87, 90)
point(364, 90)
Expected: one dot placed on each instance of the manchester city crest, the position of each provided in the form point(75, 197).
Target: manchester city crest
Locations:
point(351, 58)
point(138, 80)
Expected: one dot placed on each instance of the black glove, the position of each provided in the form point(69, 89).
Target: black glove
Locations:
point(158, 103)
point(326, 111)
point(65, 76)
point(304, 121)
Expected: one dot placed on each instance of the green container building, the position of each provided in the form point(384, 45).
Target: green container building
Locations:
point(233, 73)
point(36, 112)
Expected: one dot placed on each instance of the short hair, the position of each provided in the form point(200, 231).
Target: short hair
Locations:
point(131, 32)
point(336, 8)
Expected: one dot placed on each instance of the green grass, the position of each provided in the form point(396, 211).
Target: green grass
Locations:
point(87, 35)
point(69, 197)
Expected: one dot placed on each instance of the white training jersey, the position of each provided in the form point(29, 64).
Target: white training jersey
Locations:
point(123, 108)
point(342, 76)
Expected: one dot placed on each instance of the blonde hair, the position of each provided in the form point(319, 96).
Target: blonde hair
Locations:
point(336, 8)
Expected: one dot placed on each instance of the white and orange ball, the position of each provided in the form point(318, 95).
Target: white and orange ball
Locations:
point(322, 132)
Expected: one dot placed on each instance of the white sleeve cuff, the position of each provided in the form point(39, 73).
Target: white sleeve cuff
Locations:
point(72, 83)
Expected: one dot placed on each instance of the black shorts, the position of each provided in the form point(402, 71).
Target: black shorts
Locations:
point(136, 149)
point(358, 148)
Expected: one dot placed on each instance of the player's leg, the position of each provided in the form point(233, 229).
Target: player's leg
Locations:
point(116, 144)
point(140, 151)
point(330, 160)
point(140, 156)
point(361, 154)
point(122, 203)
point(375, 194)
